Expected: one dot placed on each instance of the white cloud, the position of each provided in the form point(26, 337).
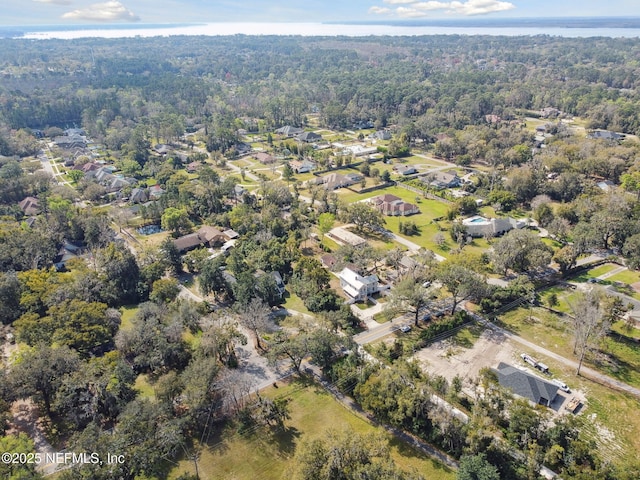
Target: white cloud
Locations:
point(380, 10)
point(480, 7)
point(57, 2)
point(112, 11)
point(416, 9)
point(409, 12)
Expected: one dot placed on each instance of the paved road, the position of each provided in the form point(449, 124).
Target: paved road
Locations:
point(380, 331)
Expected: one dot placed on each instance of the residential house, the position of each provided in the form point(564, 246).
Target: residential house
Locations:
point(356, 286)
point(155, 192)
point(405, 169)
point(550, 112)
point(345, 237)
point(335, 180)
point(231, 234)
point(193, 167)
point(394, 206)
point(279, 282)
point(309, 137)
point(30, 206)
point(362, 125)
point(70, 132)
point(106, 178)
point(328, 261)
point(239, 191)
point(162, 149)
point(68, 251)
point(523, 384)
point(606, 185)
point(242, 148)
point(478, 226)
point(359, 150)
point(70, 142)
point(206, 236)
point(138, 195)
point(89, 167)
point(442, 180)
point(264, 158)
point(408, 265)
point(381, 135)
point(493, 119)
point(289, 131)
point(303, 166)
point(116, 183)
point(605, 135)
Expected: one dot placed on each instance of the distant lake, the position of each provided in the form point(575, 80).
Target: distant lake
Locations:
point(577, 29)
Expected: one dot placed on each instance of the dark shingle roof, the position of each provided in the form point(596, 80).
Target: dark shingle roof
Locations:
point(526, 385)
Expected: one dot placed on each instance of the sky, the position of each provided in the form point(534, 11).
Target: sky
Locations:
point(55, 12)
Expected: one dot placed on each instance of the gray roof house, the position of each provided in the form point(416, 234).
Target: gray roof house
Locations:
point(303, 166)
point(405, 169)
point(138, 195)
point(605, 135)
point(71, 141)
point(335, 180)
point(448, 179)
point(381, 135)
point(289, 131)
point(309, 137)
point(524, 384)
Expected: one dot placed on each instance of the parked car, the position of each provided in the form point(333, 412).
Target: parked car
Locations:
point(405, 328)
point(561, 385)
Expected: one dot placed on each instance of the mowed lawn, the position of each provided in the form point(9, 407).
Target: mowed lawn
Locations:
point(429, 210)
point(269, 456)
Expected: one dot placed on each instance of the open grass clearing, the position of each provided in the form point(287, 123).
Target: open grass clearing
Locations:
point(128, 312)
point(601, 270)
point(619, 357)
point(295, 303)
point(626, 276)
point(144, 387)
point(268, 455)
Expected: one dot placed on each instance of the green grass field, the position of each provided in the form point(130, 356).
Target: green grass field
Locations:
point(626, 276)
point(621, 359)
point(267, 456)
point(128, 312)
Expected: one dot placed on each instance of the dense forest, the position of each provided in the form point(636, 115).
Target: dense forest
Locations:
point(435, 82)
point(120, 358)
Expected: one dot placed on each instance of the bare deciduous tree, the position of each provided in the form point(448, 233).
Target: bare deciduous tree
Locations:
point(256, 317)
point(590, 324)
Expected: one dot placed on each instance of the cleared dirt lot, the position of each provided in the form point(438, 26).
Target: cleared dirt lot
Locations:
point(447, 358)
point(450, 358)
